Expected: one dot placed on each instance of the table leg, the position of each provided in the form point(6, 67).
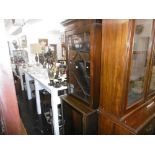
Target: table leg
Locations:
point(27, 79)
point(37, 88)
point(54, 103)
point(21, 80)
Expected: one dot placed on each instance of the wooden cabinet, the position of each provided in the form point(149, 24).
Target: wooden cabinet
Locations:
point(83, 41)
point(127, 89)
point(78, 118)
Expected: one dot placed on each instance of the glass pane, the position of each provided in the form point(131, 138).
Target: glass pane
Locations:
point(143, 29)
point(79, 66)
point(152, 84)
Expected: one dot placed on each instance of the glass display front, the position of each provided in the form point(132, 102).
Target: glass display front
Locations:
point(79, 65)
point(142, 35)
point(152, 84)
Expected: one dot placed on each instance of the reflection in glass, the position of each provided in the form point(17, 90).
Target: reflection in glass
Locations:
point(79, 65)
point(142, 37)
point(77, 42)
point(152, 84)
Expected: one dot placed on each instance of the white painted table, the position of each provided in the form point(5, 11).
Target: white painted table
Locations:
point(21, 73)
point(41, 82)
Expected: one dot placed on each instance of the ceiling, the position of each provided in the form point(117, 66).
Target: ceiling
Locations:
point(15, 26)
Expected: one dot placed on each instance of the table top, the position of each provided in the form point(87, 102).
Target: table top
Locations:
point(42, 77)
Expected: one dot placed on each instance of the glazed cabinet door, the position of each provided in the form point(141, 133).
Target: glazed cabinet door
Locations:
point(125, 60)
point(79, 65)
point(152, 81)
point(151, 90)
point(142, 43)
point(83, 40)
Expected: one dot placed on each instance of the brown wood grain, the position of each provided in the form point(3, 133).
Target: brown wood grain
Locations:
point(95, 65)
point(114, 61)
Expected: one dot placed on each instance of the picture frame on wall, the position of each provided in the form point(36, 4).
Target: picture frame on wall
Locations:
point(64, 50)
point(23, 41)
point(43, 43)
point(53, 49)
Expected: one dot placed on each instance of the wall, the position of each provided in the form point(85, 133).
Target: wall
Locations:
point(40, 29)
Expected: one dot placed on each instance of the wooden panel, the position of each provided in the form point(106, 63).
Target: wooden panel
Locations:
point(120, 130)
point(149, 129)
point(78, 118)
point(72, 120)
point(114, 64)
point(142, 115)
point(140, 121)
point(8, 98)
point(77, 104)
point(111, 125)
point(92, 124)
point(106, 126)
point(78, 23)
point(95, 59)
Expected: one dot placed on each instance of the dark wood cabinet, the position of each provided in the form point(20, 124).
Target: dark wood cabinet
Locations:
point(119, 81)
point(78, 118)
point(83, 41)
point(127, 91)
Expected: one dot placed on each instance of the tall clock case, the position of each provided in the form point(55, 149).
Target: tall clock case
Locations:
point(83, 41)
point(127, 96)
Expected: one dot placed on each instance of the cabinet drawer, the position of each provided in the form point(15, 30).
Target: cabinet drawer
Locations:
point(149, 129)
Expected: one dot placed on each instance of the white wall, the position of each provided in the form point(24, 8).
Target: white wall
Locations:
point(40, 29)
point(3, 48)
